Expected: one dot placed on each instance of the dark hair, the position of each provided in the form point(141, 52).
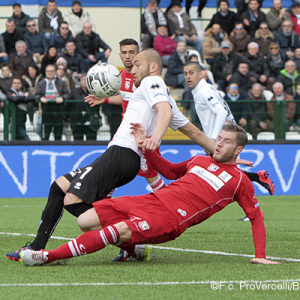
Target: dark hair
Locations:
point(49, 49)
point(129, 41)
point(223, 1)
point(16, 4)
point(17, 77)
point(4, 65)
point(9, 20)
point(64, 22)
point(194, 63)
point(35, 66)
point(241, 134)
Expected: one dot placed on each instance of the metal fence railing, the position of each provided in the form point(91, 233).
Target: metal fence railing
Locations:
point(74, 120)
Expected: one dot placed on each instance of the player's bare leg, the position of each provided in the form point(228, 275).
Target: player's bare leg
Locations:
point(88, 242)
point(51, 215)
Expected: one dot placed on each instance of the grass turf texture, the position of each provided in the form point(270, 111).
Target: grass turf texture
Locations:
point(169, 274)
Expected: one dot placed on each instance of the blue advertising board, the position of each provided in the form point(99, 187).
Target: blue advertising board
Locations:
point(28, 171)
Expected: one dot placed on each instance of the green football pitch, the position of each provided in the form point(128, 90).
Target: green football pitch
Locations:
point(209, 261)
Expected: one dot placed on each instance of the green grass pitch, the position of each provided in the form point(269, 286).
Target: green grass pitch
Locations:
point(190, 267)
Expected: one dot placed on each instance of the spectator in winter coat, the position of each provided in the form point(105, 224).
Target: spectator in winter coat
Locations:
point(163, 44)
point(88, 43)
point(20, 18)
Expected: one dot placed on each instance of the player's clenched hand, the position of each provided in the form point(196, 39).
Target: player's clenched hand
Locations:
point(150, 144)
point(139, 133)
point(94, 100)
point(264, 261)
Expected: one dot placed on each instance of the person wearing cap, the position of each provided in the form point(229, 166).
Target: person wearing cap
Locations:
point(237, 104)
point(150, 20)
point(183, 26)
point(225, 64)
point(20, 18)
point(163, 44)
point(76, 17)
point(225, 17)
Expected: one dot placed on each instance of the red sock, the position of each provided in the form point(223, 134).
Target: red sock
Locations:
point(88, 242)
point(157, 184)
point(109, 195)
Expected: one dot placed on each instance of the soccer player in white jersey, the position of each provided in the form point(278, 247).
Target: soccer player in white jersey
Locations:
point(129, 48)
point(151, 105)
point(213, 112)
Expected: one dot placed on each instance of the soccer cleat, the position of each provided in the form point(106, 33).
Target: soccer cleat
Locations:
point(266, 182)
point(123, 255)
point(245, 219)
point(141, 252)
point(33, 258)
point(16, 255)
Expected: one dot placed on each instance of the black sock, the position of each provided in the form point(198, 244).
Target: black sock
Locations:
point(76, 209)
point(50, 217)
point(252, 176)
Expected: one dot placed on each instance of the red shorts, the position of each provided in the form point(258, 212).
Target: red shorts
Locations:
point(149, 220)
point(146, 169)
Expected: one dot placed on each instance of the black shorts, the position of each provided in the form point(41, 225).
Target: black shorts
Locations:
point(115, 167)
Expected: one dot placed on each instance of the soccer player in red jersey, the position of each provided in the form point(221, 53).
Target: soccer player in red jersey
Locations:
point(204, 186)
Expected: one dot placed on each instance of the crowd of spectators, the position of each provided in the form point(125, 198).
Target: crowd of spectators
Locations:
point(248, 53)
point(244, 54)
point(43, 64)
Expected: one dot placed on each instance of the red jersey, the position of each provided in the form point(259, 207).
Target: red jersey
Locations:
point(126, 89)
point(205, 187)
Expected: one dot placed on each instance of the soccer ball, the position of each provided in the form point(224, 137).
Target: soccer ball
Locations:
point(103, 80)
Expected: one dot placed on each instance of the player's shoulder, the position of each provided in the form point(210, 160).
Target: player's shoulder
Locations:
point(153, 82)
point(125, 74)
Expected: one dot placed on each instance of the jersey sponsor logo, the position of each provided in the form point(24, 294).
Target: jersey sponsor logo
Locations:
point(225, 176)
point(155, 86)
point(144, 225)
point(127, 85)
point(213, 168)
point(210, 178)
point(77, 185)
point(182, 212)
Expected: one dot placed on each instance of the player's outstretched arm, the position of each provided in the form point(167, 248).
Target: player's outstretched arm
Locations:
point(264, 261)
point(93, 100)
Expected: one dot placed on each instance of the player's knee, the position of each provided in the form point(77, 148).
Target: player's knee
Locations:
point(63, 183)
point(71, 199)
point(89, 221)
point(124, 231)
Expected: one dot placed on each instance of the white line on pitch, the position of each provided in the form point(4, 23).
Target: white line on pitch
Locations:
point(280, 281)
point(172, 249)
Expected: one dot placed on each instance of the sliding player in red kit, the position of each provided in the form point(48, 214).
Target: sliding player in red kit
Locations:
point(204, 186)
